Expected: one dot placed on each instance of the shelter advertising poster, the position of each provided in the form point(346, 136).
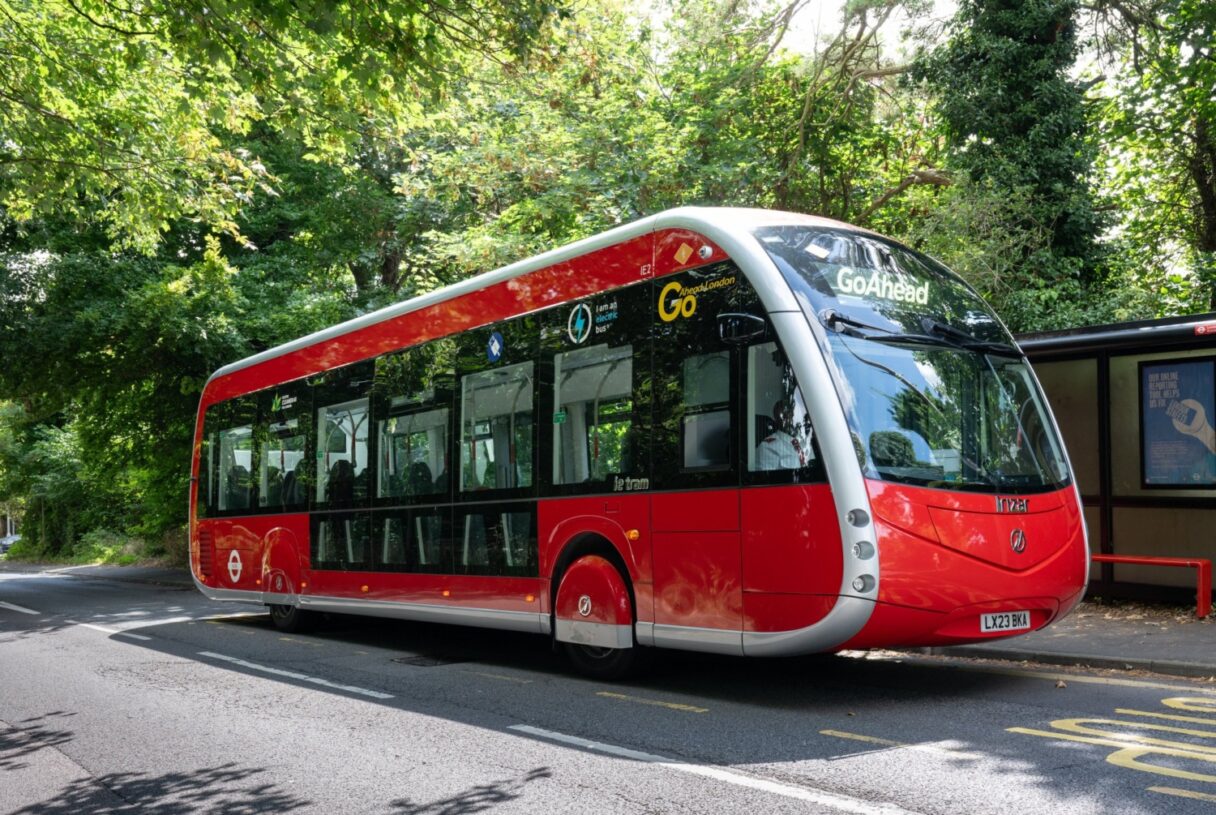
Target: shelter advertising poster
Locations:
point(1177, 409)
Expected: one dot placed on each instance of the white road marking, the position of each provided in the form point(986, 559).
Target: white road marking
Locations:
point(15, 607)
point(103, 629)
point(135, 636)
point(931, 749)
point(824, 798)
point(253, 666)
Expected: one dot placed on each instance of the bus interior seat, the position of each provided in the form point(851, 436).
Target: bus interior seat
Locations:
point(341, 486)
point(238, 487)
point(395, 486)
point(420, 482)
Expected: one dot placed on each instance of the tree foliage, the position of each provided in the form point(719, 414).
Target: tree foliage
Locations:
point(1015, 125)
point(127, 113)
point(1157, 116)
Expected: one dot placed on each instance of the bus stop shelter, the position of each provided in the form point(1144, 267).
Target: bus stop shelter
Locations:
point(1136, 404)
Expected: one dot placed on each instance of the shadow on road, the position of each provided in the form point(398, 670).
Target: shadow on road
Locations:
point(229, 788)
point(23, 738)
point(478, 799)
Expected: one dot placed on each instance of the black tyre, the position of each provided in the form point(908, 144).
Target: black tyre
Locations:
point(292, 619)
point(605, 664)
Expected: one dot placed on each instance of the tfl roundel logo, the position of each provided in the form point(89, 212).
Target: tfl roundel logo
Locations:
point(578, 327)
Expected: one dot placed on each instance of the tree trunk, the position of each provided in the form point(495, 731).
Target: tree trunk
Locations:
point(1203, 173)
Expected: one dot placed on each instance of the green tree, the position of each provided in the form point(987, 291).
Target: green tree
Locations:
point(1157, 122)
point(125, 113)
point(1015, 126)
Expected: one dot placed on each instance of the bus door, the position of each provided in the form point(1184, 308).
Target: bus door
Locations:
point(695, 514)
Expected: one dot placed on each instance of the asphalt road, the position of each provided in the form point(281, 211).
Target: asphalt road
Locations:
point(116, 697)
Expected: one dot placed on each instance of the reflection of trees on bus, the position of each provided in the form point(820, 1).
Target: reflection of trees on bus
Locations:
point(964, 417)
point(412, 392)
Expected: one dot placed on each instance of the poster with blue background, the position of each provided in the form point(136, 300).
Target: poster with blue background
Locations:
point(1177, 408)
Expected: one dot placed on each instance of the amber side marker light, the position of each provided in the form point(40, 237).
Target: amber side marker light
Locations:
point(364, 588)
point(529, 598)
point(447, 593)
point(633, 534)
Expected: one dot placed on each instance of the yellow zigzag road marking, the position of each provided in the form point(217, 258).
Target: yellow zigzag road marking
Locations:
point(1133, 743)
point(1198, 796)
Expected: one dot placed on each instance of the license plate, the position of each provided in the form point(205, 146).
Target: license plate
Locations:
point(1004, 621)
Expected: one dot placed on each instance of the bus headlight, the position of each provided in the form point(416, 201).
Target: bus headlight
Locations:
point(863, 550)
point(863, 583)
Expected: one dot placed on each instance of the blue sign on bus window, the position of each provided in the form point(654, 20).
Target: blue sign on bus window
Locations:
point(494, 347)
point(1177, 409)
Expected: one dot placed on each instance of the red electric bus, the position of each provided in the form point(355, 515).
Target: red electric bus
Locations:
point(738, 431)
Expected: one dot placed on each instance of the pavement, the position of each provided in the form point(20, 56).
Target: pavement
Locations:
point(1123, 636)
point(1131, 636)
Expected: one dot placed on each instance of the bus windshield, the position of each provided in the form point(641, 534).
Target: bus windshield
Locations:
point(935, 391)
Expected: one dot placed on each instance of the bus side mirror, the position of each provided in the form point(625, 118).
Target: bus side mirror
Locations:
point(738, 329)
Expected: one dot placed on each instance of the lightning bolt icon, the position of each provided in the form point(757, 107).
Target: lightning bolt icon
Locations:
point(578, 324)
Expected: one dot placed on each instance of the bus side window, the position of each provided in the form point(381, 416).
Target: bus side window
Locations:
point(594, 370)
point(208, 473)
point(593, 418)
point(496, 428)
point(779, 442)
point(235, 456)
point(497, 370)
point(343, 462)
point(412, 404)
point(283, 435)
point(340, 540)
point(493, 533)
point(706, 432)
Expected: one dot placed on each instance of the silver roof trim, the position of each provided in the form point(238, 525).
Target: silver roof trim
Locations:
point(728, 224)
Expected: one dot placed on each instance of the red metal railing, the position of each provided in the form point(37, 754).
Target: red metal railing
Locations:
point(1203, 604)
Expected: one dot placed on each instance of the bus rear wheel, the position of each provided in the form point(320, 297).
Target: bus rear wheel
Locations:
point(293, 619)
point(593, 617)
point(605, 664)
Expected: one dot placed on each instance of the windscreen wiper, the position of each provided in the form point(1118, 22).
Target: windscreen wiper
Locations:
point(936, 333)
point(852, 327)
point(844, 324)
point(939, 329)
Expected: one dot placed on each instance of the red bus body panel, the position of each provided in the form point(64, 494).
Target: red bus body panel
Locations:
point(946, 557)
